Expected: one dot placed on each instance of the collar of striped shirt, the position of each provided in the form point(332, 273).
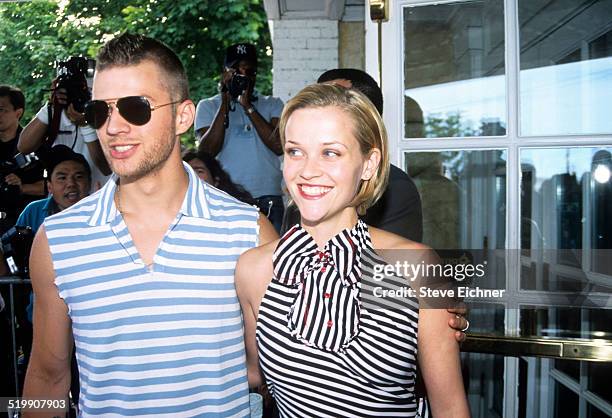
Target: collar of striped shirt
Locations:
point(195, 203)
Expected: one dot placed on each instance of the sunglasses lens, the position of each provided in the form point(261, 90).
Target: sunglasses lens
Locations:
point(96, 112)
point(134, 109)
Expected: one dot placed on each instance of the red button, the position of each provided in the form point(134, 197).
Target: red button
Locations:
point(327, 295)
point(329, 324)
point(323, 269)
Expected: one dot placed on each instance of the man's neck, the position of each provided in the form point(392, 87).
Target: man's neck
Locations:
point(156, 193)
point(9, 133)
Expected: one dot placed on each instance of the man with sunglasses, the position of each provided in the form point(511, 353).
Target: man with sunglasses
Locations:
point(142, 272)
point(239, 128)
point(73, 132)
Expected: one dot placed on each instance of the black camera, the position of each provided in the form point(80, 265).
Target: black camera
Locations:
point(16, 246)
point(10, 194)
point(72, 75)
point(237, 84)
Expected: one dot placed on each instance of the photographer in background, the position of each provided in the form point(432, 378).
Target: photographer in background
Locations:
point(68, 181)
point(61, 120)
point(238, 127)
point(20, 182)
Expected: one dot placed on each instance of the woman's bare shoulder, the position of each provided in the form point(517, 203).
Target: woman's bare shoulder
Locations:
point(254, 272)
point(385, 240)
point(258, 258)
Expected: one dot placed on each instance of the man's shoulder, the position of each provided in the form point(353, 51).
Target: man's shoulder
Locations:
point(399, 179)
point(9, 148)
point(34, 211)
point(269, 100)
point(36, 205)
point(209, 101)
point(220, 203)
point(80, 212)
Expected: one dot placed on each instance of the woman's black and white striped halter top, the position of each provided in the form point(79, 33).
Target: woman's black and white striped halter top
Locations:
point(322, 352)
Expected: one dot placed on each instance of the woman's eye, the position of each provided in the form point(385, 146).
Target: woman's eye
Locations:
point(293, 152)
point(331, 153)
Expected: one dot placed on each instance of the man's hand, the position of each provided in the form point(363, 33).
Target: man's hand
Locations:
point(74, 116)
point(459, 322)
point(227, 75)
point(58, 96)
point(245, 99)
point(14, 180)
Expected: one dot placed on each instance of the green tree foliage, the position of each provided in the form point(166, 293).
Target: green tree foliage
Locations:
point(447, 126)
point(33, 35)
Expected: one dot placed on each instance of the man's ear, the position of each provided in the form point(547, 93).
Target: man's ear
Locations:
point(49, 187)
point(371, 164)
point(19, 113)
point(185, 115)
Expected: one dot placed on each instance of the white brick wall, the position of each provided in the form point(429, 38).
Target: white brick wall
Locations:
point(303, 49)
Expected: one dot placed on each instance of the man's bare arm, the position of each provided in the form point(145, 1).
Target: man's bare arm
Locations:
point(212, 137)
point(246, 289)
point(267, 131)
point(34, 189)
point(32, 136)
point(48, 374)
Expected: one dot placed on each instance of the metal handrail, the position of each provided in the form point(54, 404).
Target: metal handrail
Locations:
point(560, 348)
point(11, 281)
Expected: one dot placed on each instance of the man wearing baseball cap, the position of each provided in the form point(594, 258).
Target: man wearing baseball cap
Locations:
point(238, 127)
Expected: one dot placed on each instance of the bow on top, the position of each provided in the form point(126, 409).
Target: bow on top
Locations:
point(325, 312)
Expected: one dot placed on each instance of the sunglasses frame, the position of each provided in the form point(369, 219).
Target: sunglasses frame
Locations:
point(114, 102)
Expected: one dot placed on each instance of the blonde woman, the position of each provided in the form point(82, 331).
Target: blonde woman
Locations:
point(322, 352)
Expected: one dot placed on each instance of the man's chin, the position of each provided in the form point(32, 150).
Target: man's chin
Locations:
point(67, 202)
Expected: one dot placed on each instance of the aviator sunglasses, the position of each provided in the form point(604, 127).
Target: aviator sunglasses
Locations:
point(134, 109)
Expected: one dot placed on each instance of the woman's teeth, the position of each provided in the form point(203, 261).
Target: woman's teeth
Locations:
point(315, 190)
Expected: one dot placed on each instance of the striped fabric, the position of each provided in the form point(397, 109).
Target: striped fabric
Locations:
point(374, 376)
point(325, 313)
point(164, 339)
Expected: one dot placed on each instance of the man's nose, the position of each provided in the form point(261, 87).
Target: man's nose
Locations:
point(71, 181)
point(115, 123)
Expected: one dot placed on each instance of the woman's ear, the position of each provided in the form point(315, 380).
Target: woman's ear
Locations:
point(371, 164)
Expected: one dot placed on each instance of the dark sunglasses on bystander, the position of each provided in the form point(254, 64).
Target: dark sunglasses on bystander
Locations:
point(134, 109)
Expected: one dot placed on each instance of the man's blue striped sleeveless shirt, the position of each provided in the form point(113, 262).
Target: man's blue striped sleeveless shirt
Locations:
point(159, 340)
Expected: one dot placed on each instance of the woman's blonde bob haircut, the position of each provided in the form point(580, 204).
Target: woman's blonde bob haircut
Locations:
point(368, 129)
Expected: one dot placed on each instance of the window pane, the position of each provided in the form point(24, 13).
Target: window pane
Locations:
point(569, 367)
point(566, 322)
point(566, 227)
point(565, 403)
point(566, 67)
point(454, 70)
point(487, 319)
point(599, 379)
point(485, 388)
point(463, 195)
point(593, 412)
